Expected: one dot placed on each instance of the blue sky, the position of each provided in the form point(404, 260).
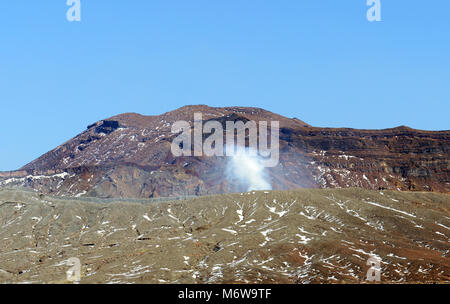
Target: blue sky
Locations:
point(318, 60)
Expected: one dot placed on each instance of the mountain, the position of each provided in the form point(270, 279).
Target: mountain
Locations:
point(299, 236)
point(129, 155)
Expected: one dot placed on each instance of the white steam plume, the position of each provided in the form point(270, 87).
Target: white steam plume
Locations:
point(245, 166)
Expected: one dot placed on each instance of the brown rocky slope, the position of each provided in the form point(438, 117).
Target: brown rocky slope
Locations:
point(129, 155)
point(299, 236)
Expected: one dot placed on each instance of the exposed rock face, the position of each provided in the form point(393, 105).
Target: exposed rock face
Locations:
point(129, 156)
point(301, 236)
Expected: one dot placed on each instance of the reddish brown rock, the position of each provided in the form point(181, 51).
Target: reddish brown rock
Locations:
point(129, 155)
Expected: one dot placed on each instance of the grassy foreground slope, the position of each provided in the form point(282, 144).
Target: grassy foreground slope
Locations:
point(301, 236)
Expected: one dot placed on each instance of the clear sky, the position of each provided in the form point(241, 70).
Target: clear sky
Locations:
point(318, 60)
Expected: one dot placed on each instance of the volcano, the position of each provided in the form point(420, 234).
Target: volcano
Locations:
point(129, 156)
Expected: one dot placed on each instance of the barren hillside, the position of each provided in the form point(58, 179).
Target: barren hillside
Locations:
point(129, 156)
point(301, 236)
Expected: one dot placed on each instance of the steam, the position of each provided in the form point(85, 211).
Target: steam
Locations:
point(245, 166)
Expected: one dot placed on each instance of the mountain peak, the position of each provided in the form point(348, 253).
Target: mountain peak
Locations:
point(129, 155)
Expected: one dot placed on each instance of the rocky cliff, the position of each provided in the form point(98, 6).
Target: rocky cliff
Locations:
point(129, 156)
